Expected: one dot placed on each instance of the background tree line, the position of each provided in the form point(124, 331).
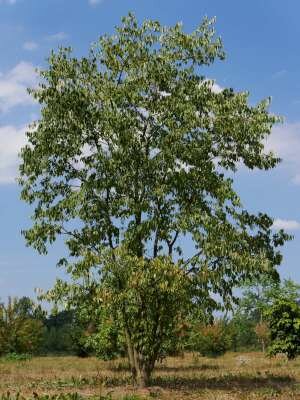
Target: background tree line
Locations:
point(25, 327)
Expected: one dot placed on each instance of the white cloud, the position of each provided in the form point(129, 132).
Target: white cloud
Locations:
point(11, 141)
point(285, 142)
point(95, 2)
point(59, 36)
point(30, 46)
point(216, 88)
point(13, 86)
point(289, 225)
point(8, 1)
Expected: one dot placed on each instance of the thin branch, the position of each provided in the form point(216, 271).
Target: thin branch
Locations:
point(172, 242)
point(155, 246)
point(189, 260)
point(110, 237)
point(77, 237)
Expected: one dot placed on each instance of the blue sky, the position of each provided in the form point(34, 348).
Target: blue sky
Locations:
point(261, 39)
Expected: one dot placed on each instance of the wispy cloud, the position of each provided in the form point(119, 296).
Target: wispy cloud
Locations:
point(59, 36)
point(13, 86)
point(95, 2)
point(279, 74)
point(30, 46)
point(296, 179)
point(286, 224)
point(11, 140)
point(285, 142)
point(11, 2)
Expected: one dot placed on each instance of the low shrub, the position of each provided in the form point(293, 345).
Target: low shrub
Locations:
point(210, 340)
point(17, 357)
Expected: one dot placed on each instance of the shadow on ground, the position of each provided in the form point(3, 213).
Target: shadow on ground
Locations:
point(227, 382)
point(166, 368)
point(195, 368)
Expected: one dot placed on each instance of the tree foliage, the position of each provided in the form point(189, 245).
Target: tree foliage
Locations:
point(284, 322)
point(263, 334)
point(21, 328)
point(249, 325)
point(210, 340)
point(133, 153)
point(258, 296)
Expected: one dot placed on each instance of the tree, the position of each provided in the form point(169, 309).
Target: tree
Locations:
point(105, 339)
point(241, 331)
point(26, 308)
point(263, 334)
point(58, 333)
point(132, 153)
point(210, 340)
point(259, 295)
point(249, 317)
point(284, 323)
point(20, 332)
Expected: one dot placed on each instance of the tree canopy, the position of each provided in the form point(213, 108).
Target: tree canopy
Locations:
point(284, 322)
point(134, 153)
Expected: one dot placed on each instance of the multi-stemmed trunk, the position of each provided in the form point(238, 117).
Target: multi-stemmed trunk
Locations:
point(141, 368)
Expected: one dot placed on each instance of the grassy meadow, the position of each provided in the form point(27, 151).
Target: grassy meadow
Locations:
point(233, 376)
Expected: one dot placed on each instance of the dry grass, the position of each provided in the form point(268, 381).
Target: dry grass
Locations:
point(234, 376)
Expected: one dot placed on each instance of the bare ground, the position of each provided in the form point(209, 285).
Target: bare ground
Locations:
point(234, 376)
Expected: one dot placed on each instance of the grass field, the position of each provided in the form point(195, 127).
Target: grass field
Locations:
point(234, 376)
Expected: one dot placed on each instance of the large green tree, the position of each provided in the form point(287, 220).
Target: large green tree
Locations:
point(132, 156)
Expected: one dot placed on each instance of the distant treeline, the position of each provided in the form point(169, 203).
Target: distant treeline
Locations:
point(26, 328)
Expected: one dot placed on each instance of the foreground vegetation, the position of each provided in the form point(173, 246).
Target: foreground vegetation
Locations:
point(233, 376)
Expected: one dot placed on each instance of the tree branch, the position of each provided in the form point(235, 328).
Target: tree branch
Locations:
point(171, 243)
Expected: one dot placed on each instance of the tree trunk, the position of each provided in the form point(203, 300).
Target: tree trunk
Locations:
point(145, 369)
point(141, 370)
point(131, 358)
point(144, 377)
point(263, 345)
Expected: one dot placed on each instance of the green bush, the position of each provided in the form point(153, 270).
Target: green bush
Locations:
point(210, 340)
point(20, 332)
point(284, 323)
point(17, 357)
point(241, 333)
point(107, 341)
